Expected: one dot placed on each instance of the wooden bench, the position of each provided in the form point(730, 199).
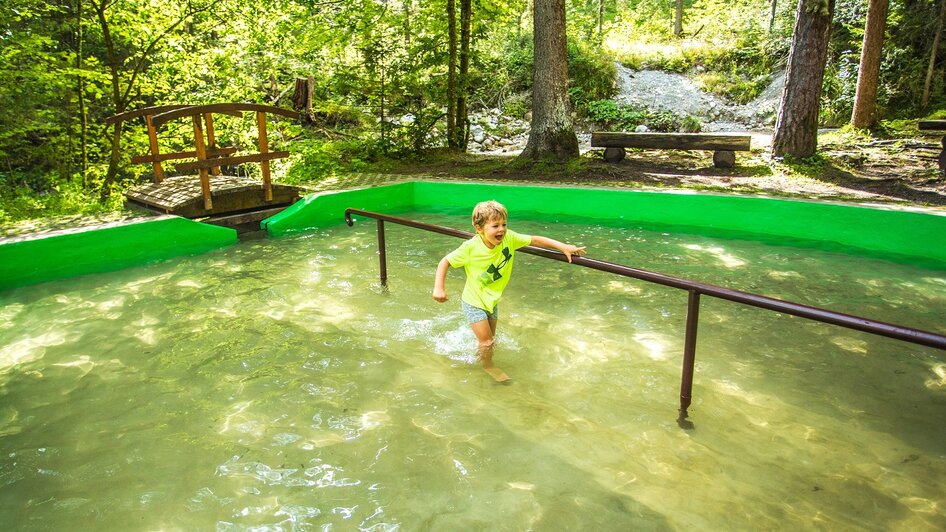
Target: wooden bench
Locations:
point(723, 145)
point(936, 125)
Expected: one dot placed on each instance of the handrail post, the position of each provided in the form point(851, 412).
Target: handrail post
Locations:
point(381, 254)
point(689, 357)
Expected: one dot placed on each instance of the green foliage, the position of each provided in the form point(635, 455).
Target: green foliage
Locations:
point(338, 115)
point(373, 63)
point(815, 166)
point(35, 92)
point(591, 74)
point(314, 159)
point(517, 105)
point(690, 124)
point(611, 115)
point(24, 197)
point(733, 88)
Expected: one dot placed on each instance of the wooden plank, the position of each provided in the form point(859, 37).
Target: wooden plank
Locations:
point(227, 108)
point(931, 125)
point(144, 111)
point(676, 141)
point(201, 157)
point(244, 221)
point(155, 152)
point(211, 140)
point(183, 195)
point(240, 159)
point(263, 149)
point(219, 152)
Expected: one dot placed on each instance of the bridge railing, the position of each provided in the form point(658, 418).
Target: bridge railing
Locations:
point(209, 157)
point(694, 290)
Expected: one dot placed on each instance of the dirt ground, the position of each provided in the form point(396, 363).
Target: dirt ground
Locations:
point(896, 172)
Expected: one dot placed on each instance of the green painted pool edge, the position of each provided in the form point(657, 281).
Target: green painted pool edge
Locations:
point(106, 249)
point(914, 237)
point(328, 208)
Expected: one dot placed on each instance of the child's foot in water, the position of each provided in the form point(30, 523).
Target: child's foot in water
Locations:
point(494, 372)
point(497, 374)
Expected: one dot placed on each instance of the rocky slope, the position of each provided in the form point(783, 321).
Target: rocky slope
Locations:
point(497, 134)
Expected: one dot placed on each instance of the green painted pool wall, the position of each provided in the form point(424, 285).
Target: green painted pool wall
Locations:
point(881, 231)
point(106, 249)
point(911, 237)
point(328, 209)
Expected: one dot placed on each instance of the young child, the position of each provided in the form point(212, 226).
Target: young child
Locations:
point(487, 259)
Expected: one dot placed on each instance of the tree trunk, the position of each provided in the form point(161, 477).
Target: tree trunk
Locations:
point(552, 133)
point(452, 74)
point(678, 19)
point(600, 22)
point(868, 76)
point(83, 118)
point(772, 15)
point(300, 94)
point(925, 99)
point(407, 21)
point(466, 7)
point(527, 14)
point(796, 130)
point(383, 123)
point(113, 161)
point(117, 99)
point(303, 96)
point(310, 96)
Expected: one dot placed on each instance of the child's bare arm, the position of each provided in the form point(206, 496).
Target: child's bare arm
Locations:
point(567, 249)
point(440, 293)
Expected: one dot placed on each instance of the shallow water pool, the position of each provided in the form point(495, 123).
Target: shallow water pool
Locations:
point(274, 385)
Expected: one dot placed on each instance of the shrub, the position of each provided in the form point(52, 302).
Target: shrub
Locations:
point(337, 115)
point(591, 74)
point(611, 115)
point(315, 159)
point(19, 201)
point(517, 105)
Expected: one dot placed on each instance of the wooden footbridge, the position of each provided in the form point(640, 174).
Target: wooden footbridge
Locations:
point(231, 200)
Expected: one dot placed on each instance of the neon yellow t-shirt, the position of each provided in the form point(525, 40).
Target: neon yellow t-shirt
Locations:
point(487, 270)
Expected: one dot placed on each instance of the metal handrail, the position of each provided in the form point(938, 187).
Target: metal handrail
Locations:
point(695, 289)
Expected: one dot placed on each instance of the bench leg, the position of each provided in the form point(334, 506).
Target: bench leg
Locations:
point(724, 158)
point(614, 155)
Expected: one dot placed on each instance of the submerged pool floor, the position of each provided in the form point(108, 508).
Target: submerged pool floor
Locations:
point(275, 385)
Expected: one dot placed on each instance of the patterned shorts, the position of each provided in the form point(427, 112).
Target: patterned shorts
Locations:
point(475, 314)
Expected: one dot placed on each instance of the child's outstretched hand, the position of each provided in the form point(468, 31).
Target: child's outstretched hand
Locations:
point(570, 250)
point(440, 295)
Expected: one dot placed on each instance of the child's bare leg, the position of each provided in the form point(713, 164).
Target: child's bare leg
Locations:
point(484, 349)
point(484, 341)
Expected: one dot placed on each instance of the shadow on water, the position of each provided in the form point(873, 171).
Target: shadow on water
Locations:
point(874, 382)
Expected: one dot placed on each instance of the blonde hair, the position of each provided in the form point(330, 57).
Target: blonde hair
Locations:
point(488, 210)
